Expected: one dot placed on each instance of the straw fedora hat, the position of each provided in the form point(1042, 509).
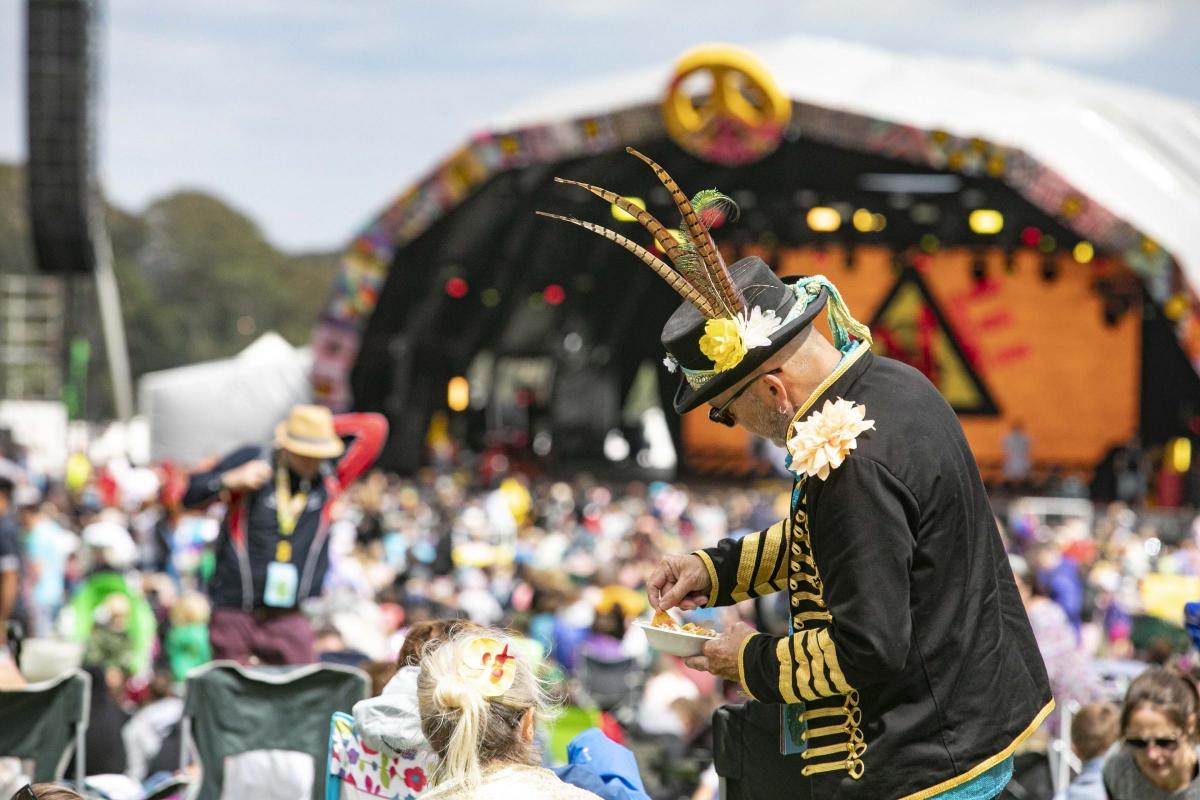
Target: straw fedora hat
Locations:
point(308, 431)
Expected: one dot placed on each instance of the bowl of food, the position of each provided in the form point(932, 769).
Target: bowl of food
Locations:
point(668, 636)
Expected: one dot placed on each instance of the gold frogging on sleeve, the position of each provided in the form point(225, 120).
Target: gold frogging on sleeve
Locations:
point(742, 666)
point(786, 671)
point(747, 562)
point(712, 578)
point(820, 685)
point(803, 670)
point(772, 545)
point(831, 661)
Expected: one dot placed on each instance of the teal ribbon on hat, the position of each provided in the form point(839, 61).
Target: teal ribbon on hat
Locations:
point(846, 329)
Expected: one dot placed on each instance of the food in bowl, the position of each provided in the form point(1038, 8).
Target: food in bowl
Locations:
point(664, 620)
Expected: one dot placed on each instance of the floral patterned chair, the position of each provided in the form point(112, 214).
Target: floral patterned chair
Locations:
point(356, 772)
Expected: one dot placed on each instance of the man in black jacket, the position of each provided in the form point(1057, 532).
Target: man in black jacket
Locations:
point(910, 670)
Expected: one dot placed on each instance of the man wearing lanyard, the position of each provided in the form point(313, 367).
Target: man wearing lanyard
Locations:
point(273, 550)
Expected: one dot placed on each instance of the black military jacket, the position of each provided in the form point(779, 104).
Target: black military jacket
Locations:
point(910, 647)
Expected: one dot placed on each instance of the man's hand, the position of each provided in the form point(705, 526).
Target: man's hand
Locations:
point(721, 654)
point(248, 477)
point(679, 581)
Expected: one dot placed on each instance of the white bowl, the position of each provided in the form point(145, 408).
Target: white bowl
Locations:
point(675, 643)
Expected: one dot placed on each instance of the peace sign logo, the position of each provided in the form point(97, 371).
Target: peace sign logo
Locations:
point(723, 106)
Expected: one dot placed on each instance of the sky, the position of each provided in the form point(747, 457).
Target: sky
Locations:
point(310, 115)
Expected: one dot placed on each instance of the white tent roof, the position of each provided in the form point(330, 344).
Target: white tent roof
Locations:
point(207, 409)
point(1134, 151)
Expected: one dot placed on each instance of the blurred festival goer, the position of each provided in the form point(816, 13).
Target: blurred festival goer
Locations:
point(1071, 677)
point(48, 547)
point(1018, 464)
point(11, 572)
point(272, 553)
point(1094, 728)
point(896, 573)
point(1159, 758)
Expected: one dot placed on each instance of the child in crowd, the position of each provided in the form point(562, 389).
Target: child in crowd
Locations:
point(1094, 729)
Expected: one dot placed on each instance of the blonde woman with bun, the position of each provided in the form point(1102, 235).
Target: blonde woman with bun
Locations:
point(479, 707)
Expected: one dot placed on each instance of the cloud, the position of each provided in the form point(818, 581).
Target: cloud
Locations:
point(311, 114)
point(1086, 33)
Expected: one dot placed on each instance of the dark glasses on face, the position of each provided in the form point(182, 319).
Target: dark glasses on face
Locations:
point(1165, 743)
point(26, 793)
point(721, 415)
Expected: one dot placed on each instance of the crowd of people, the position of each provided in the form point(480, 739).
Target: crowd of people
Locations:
point(123, 561)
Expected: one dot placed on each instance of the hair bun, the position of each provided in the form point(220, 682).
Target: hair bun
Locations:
point(452, 692)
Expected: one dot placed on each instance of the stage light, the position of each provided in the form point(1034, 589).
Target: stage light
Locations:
point(863, 221)
point(458, 394)
point(554, 294)
point(929, 243)
point(824, 219)
point(621, 216)
point(457, 288)
point(1180, 452)
point(490, 297)
point(986, 221)
point(1084, 252)
point(1047, 244)
point(1030, 236)
point(924, 213)
point(878, 222)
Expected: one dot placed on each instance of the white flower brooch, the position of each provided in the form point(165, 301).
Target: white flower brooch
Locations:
point(822, 442)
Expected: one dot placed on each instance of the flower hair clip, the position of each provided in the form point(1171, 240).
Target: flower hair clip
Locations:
point(488, 666)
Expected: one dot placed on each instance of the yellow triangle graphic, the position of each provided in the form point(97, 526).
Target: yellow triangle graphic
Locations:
point(910, 327)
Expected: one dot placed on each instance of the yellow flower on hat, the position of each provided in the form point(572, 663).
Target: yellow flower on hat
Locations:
point(722, 342)
point(822, 442)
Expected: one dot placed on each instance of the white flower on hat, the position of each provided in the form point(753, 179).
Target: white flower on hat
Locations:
point(671, 364)
point(822, 442)
point(757, 326)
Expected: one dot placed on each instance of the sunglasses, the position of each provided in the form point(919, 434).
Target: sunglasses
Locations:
point(26, 793)
point(721, 415)
point(1166, 743)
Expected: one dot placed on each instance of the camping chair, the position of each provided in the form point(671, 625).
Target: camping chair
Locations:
point(263, 732)
point(1064, 764)
point(356, 772)
point(611, 685)
point(45, 723)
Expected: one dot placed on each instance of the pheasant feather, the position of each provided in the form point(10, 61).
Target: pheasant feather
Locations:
point(699, 235)
point(676, 281)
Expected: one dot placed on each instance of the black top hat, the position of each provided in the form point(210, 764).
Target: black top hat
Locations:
point(761, 288)
point(732, 319)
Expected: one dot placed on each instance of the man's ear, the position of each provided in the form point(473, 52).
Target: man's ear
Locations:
point(775, 388)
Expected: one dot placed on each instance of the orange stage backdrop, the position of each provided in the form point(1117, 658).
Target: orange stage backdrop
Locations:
point(1014, 347)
